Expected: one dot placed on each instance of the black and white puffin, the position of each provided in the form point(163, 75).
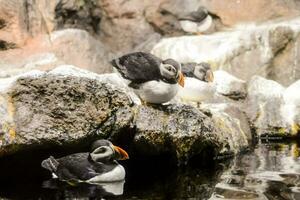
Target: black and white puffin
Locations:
point(198, 80)
point(201, 71)
point(154, 80)
point(98, 165)
point(199, 21)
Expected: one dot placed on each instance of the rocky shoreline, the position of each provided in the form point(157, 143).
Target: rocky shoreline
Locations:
point(69, 106)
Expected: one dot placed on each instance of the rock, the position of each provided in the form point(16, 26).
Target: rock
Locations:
point(85, 15)
point(284, 68)
point(26, 19)
point(266, 50)
point(69, 46)
point(13, 29)
point(229, 86)
point(77, 47)
point(263, 106)
point(69, 107)
point(291, 109)
point(164, 19)
point(23, 20)
point(136, 20)
point(105, 20)
point(234, 12)
point(11, 66)
point(56, 108)
point(232, 123)
point(184, 131)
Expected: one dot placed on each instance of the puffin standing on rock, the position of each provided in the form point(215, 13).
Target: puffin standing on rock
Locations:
point(197, 84)
point(197, 22)
point(99, 165)
point(154, 80)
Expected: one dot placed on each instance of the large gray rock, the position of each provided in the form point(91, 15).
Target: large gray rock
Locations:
point(263, 105)
point(41, 109)
point(70, 106)
point(268, 50)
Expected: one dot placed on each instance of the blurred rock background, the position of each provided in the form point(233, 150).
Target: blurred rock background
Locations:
point(253, 37)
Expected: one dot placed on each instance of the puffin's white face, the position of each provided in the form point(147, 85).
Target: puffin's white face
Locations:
point(170, 70)
point(103, 150)
point(102, 153)
point(199, 72)
point(203, 73)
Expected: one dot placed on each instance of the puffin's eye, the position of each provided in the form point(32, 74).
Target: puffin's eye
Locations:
point(170, 68)
point(100, 150)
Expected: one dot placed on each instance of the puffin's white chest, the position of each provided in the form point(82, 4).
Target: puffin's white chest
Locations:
point(196, 90)
point(157, 91)
point(117, 174)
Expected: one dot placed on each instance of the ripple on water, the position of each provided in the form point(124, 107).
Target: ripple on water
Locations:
point(271, 171)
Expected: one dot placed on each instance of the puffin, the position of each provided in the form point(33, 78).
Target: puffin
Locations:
point(97, 166)
point(198, 87)
point(198, 22)
point(201, 71)
point(154, 80)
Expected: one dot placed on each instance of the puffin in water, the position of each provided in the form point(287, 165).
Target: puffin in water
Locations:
point(154, 80)
point(197, 22)
point(197, 83)
point(98, 165)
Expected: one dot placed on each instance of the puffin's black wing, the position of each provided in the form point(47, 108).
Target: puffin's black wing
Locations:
point(138, 67)
point(76, 167)
point(188, 69)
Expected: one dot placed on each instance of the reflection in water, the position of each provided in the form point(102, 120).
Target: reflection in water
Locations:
point(272, 171)
point(63, 190)
point(180, 184)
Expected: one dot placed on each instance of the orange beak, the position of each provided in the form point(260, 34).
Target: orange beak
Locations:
point(122, 153)
point(181, 79)
point(209, 76)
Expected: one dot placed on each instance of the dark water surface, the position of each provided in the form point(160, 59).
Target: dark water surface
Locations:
point(271, 171)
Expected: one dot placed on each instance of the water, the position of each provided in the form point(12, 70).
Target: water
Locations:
point(271, 171)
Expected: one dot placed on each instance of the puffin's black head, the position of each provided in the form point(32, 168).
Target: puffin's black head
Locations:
point(197, 16)
point(203, 72)
point(103, 150)
point(170, 71)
